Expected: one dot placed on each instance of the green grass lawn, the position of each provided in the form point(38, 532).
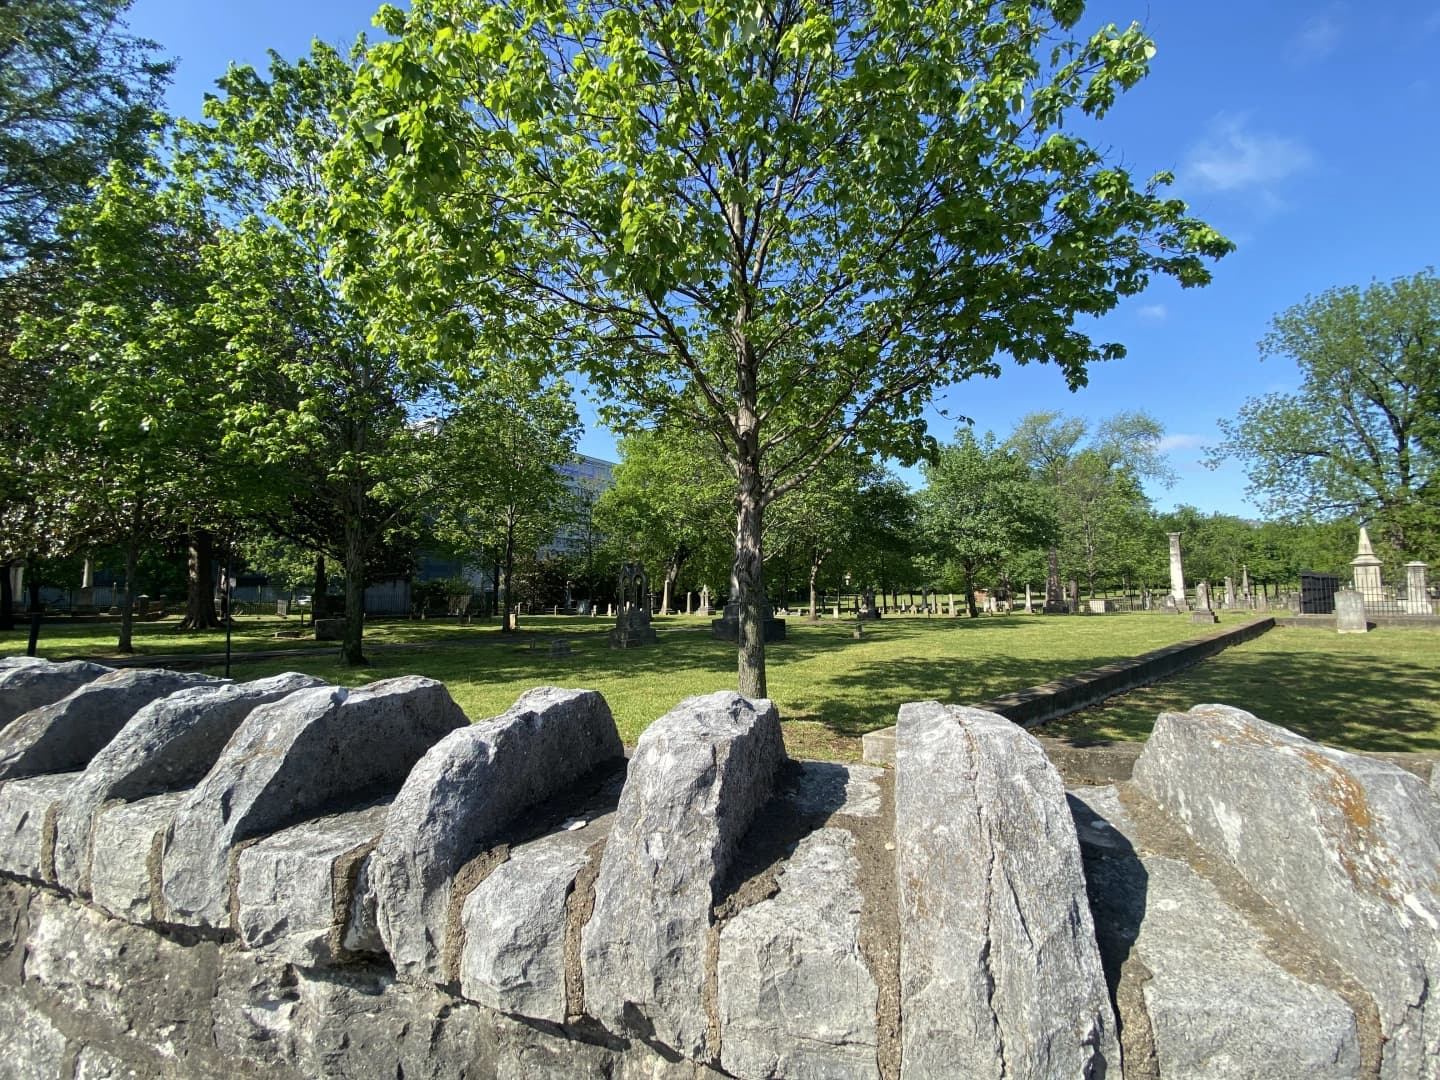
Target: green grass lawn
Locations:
point(1375, 691)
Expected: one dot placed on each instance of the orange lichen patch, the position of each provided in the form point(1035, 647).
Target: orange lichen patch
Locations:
point(1359, 833)
point(1235, 733)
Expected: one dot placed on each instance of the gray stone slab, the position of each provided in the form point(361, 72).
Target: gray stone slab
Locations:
point(1347, 846)
point(796, 997)
point(168, 745)
point(362, 928)
point(312, 752)
point(999, 971)
point(64, 736)
point(697, 778)
point(25, 806)
point(514, 955)
point(1216, 1004)
point(822, 788)
point(34, 683)
point(34, 1046)
point(460, 797)
point(291, 895)
point(127, 848)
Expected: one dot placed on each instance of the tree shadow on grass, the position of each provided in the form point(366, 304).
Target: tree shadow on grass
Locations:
point(1360, 703)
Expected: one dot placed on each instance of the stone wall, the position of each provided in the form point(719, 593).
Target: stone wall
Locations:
point(298, 880)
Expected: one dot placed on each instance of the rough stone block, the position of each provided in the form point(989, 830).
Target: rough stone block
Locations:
point(33, 683)
point(123, 978)
point(999, 971)
point(64, 736)
point(457, 800)
point(314, 751)
point(1347, 846)
point(168, 745)
point(293, 893)
point(1216, 1004)
point(127, 849)
point(514, 920)
point(796, 997)
point(34, 1046)
point(27, 809)
point(821, 788)
point(698, 776)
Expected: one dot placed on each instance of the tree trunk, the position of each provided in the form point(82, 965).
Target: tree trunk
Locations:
point(509, 577)
point(322, 586)
point(352, 651)
point(1052, 579)
point(814, 596)
point(970, 591)
point(199, 586)
point(127, 610)
point(7, 598)
point(749, 577)
point(33, 587)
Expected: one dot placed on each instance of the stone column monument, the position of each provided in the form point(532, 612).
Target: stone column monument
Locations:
point(1417, 596)
point(1176, 602)
point(1366, 566)
point(1203, 612)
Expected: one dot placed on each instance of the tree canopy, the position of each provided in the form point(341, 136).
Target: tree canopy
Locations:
point(787, 224)
point(1361, 435)
point(76, 92)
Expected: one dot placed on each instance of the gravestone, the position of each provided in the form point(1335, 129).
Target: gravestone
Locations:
point(632, 624)
point(687, 601)
point(1203, 613)
point(1229, 592)
point(1176, 600)
point(329, 629)
point(1029, 610)
point(282, 608)
point(705, 608)
point(868, 610)
point(1350, 611)
point(1245, 597)
point(1417, 593)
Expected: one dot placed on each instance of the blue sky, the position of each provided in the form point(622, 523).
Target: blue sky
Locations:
point(1309, 133)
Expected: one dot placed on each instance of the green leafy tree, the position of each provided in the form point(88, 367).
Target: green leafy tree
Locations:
point(1095, 481)
point(1361, 436)
point(823, 517)
point(980, 505)
point(128, 404)
point(320, 390)
point(670, 503)
point(498, 493)
point(784, 225)
point(76, 92)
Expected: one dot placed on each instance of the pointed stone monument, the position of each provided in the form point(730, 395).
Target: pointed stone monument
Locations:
point(1176, 600)
point(1366, 567)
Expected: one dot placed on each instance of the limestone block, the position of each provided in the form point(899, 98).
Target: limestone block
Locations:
point(127, 848)
point(362, 929)
point(34, 1047)
point(999, 971)
point(34, 683)
point(457, 800)
point(1348, 846)
point(122, 977)
point(698, 776)
point(92, 1063)
point(314, 751)
point(25, 832)
point(65, 735)
point(168, 745)
point(292, 894)
point(821, 788)
point(514, 920)
point(796, 997)
point(1216, 1004)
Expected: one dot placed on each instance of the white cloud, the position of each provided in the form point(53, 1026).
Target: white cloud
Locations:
point(1232, 157)
point(1171, 443)
point(1317, 39)
point(1151, 312)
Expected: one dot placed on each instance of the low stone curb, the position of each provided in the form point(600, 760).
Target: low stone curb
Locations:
point(1034, 706)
